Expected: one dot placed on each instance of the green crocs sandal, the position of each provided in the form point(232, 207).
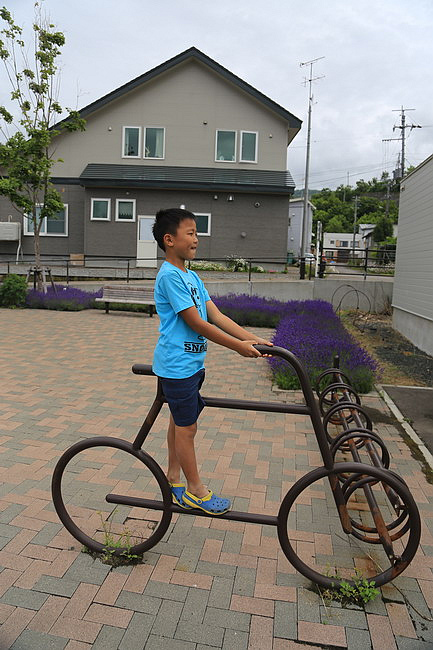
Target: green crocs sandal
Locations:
point(211, 504)
point(177, 492)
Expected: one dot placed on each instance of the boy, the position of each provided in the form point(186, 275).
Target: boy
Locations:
point(184, 307)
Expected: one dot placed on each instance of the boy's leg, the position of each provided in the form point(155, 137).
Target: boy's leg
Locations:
point(173, 471)
point(185, 453)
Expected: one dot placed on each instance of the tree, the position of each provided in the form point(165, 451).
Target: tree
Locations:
point(335, 208)
point(383, 229)
point(336, 224)
point(26, 158)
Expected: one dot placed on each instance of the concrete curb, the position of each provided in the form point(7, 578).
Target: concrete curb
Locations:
point(428, 457)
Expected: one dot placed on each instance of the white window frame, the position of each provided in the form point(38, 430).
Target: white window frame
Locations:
point(43, 232)
point(144, 143)
point(138, 156)
point(256, 133)
point(209, 217)
point(108, 218)
point(216, 145)
point(133, 201)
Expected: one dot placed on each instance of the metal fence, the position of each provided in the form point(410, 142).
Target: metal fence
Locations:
point(128, 268)
point(378, 262)
point(354, 261)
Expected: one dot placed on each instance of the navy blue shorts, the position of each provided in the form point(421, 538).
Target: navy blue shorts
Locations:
point(184, 399)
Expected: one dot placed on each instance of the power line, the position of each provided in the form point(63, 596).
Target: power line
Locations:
point(299, 178)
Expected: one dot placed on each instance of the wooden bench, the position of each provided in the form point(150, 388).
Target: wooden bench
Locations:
point(128, 295)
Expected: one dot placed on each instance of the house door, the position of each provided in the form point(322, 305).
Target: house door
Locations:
point(146, 245)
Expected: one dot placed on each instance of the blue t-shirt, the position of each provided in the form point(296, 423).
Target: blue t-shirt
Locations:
point(180, 351)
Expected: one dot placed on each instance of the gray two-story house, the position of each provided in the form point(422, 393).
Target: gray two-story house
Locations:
point(187, 133)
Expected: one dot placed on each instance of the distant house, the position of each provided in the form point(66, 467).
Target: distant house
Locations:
point(366, 231)
point(294, 235)
point(412, 300)
point(339, 245)
point(187, 133)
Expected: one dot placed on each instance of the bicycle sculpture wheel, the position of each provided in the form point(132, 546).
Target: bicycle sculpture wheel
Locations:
point(352, 514)
point(80, 487)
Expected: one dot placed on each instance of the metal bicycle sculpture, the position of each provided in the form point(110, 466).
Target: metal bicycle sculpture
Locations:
point(80, 497)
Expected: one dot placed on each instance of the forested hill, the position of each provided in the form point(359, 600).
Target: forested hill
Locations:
point(336, 208)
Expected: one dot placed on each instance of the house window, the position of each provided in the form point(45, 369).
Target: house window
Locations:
point(125, 210)
point(332, 241)
point(203, 223)
point(248, 146)
point(100, 210)
point(56, 226)
point(344, 243)
point(131, 142)
point(225, 146)
point(154, 142)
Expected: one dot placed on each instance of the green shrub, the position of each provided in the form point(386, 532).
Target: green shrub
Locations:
point(206, 266)
point(13, 291)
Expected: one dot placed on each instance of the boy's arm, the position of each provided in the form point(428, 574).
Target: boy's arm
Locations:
point(243, 347)
point(228, 325)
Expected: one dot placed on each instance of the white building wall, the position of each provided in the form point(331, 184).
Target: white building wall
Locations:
point(413, 283)
point(294, 235)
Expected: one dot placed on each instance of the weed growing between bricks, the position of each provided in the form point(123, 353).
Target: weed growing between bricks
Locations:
point(360, 593)
point(117, 551)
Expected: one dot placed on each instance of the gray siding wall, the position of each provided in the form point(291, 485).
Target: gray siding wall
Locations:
point(73, 196)
point(413, 283)
point(191, 102)
point(228, 220)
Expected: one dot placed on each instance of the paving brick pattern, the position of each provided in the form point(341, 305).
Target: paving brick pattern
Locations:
point(208, 583)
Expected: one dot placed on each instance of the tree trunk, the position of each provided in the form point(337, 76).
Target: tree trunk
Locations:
point(38, 267)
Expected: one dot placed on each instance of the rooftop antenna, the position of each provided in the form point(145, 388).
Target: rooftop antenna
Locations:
point(304, 223)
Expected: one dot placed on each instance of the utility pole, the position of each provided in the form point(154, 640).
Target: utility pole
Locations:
point(355, 215)
point(402, 126)
point(319, 250)
point(388, 187)
point(304, 223)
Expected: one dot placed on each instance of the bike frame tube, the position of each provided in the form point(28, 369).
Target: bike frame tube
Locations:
point(310, 407)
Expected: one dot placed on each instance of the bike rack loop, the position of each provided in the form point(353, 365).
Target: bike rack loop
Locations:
point(366, 437)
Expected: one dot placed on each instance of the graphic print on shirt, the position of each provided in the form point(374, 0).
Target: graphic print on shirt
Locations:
point(193, 346)
point(194, 295)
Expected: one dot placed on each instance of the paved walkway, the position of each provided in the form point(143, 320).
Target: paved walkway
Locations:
point(208, 583)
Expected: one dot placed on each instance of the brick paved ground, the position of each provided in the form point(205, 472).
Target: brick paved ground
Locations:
point(208, 583)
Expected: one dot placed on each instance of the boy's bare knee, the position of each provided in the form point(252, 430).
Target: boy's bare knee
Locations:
point(187, 432)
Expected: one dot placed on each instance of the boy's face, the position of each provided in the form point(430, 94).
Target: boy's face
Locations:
point(184, 243)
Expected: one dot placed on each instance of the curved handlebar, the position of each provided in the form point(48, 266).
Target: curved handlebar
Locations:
point(275, 351)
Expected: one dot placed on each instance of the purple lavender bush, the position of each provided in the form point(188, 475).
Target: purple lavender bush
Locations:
point(251, 310)
point(63, 299)
point(311, 330)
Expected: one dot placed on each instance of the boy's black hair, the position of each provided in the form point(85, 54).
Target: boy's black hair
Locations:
point(167, 221)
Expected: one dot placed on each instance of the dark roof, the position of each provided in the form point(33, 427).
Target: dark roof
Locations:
point(193, 178)
point(191, 53)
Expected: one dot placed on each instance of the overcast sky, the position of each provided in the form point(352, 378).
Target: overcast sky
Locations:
point(378, 57)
